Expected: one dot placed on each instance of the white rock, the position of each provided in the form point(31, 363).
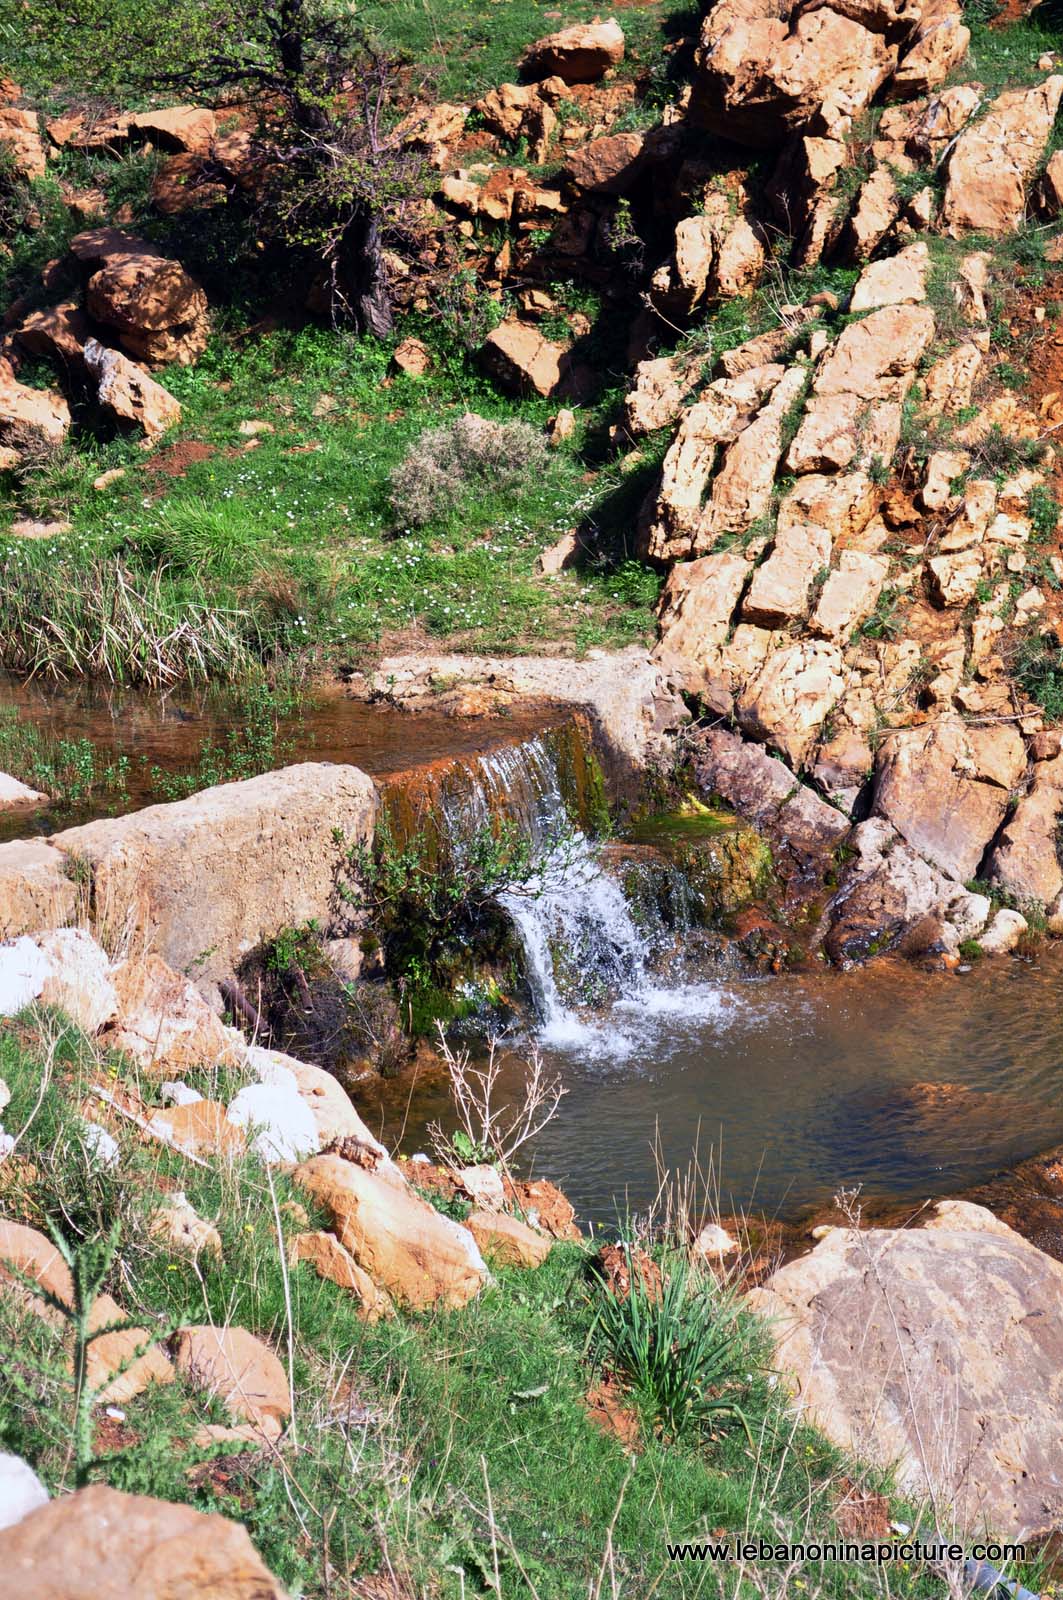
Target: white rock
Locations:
point(79, 982)
point(484, 1185)
point(1003, 933)
point(714, 1242)
point(21, 1491)
point(7, 1145)
point(14, 794)
point(178, 1094)
point(23, 973)
point(285, 1127)
point(268, 1068)
point(100, 1144)
point(5, 1095)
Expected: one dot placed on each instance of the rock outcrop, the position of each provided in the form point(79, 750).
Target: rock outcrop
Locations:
point(994, 160)
point(938, 1349)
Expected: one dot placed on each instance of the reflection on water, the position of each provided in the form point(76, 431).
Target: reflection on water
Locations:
point(169, 731)
point(912, 1084)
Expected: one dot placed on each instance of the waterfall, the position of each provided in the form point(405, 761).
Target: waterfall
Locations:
point(584, 951)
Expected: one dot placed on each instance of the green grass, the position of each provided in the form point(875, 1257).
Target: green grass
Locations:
point(291, 547)
point(452, 1444)
point(69, 770)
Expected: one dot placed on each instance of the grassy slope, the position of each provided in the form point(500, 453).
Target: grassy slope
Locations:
point(404, 1431)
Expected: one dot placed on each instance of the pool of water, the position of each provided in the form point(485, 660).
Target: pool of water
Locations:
point(169, 731)
point(910, 1084)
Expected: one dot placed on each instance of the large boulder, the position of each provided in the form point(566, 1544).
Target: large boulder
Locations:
point(158, 311)
point(240, 1371)
point(765, 69)
point(1025, 857)
point(945, 799)
point(582, 53)
point(994, 160)
point(79, 983)
point(100, 1544)
point(182, 870)
point(763, 790)
point(36, 888)
point(938, 1350)
point(127, 394)
point(408, 1249)
point(187, 130)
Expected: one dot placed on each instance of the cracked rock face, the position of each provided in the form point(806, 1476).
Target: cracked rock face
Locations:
point(936, 1348)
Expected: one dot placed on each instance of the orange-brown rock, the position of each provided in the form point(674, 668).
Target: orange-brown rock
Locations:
point(608, 165)
point(543, 1206)
point(994, 160)
point(58, 334)
point(185, 129)
point(127, 394)
point(162, 1021)
point(157, 309)
point(28, 411)
point(240, 1370)
point(100, 1544)
point(329, 1259)
point(115, 1371)
point(408, 1249)
point(522, 360)
point(937, 43)
point(198, 1127)
point(580, 54)
point(507, 1240)
point(20, 139)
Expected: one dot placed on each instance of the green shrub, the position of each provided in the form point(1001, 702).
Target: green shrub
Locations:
point(681, 1345)
point(447, 464)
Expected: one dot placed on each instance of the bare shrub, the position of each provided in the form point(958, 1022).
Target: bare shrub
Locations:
point(460, 458)
point(487, 1130)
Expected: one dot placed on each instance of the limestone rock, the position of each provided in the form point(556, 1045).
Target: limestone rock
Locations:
point(1003, 933)
point(177, 1224)
point(582, 53)
point(608, 165)
point(891, 899)
point(36, 890)
point(815, 508)
point(80, 981)
point(410, 1250)
point(21, 1491)
point(994, 160)
point(329, 1259)
point(57, 333)
point(281, 1125)
point(874, 358)
point(761, 73)
point(148, 861)
point(939, 1349)
point(948, 385)
point(1024, 859)
point(876, 208)
point(849, 595)
point(412, 357)
point(763, 791)
point(928, 785)
point(507, 1240)
point(954, 579)
point(330, 1104)
point(20, 139)
point(158, 311)
point(199, 1127)
point(23, 973)
point(115, 1370)
point(897, 280)
point(789, 698)
point(186, 129)
point(742, 488)
point(127, 394)
point(696, 608)
point(24, 410)
point(521, 359)
point(937, 44)
point(18, 796)
point(661, 386)
point(100, 1544)
point(240, 1370)
point(162, 1021)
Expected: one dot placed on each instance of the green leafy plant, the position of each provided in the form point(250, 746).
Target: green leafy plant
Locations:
point(679, 1343)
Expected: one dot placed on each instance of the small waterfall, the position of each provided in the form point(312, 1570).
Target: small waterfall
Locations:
point(584, 948)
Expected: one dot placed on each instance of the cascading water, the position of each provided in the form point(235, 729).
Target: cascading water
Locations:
point(584, 948)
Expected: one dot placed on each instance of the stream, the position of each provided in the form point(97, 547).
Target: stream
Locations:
point(783, 1089)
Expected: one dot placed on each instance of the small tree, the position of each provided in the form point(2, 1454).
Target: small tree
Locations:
point(341, 186)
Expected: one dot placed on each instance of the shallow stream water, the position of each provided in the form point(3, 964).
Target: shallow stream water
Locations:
point(910, 1084)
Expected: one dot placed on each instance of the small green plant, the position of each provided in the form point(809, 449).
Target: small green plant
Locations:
point(680, 1345)
point(68, 770)
point(296, 947)
point(970, 950)
point(1011, 376)
point(1043, 508)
